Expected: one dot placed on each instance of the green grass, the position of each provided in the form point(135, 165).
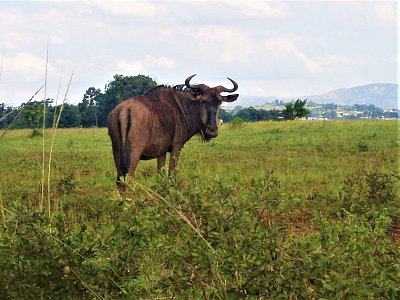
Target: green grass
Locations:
point(273, 210)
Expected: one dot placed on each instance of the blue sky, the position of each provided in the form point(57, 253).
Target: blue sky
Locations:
point(282, 49)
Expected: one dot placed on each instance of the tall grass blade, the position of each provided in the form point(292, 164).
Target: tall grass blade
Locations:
point(44, 127)
point(55, 105)
point(1, 207)
point(87, 286)
point(52, 145)
point(5, 116)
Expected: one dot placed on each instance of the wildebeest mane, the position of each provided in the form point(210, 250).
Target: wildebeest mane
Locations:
point(184, 88)
point(154, 93)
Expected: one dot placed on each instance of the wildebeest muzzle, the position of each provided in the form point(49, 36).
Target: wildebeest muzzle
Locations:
point(211, 132)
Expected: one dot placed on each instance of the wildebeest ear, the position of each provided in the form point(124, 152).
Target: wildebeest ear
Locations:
point(230, 98)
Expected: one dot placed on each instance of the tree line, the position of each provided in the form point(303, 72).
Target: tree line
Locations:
point(291, 111)
point(95, 106)
point(92, 111)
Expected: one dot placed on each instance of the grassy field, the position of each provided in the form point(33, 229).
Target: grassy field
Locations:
point(270, 210)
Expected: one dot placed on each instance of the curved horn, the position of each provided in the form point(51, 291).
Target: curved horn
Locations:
point(194, 86)
point(224, 89)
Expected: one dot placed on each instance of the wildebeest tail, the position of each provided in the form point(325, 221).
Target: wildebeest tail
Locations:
point(123, 129)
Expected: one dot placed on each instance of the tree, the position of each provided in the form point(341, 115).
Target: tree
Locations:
point(88, 107)
point(120, 89)
point(7, 114)
point(30, 115)
point(251, 114)
point(288, 112)
point(295, 110)
point(70, 116)
point(2, 109)
point(224, 115)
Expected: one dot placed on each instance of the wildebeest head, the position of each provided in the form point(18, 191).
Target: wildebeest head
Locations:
point(211, 99)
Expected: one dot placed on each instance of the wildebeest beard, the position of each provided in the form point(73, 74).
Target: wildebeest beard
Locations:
point(203, 136)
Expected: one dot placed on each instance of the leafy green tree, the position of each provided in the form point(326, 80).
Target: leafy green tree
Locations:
point(300, 109)
point(253, 115)
point(245, 114)
point(120, 89)
point(224, 115)
point(295, 110)
point(7, 114)
point(88, 107)
point(236, 122)
point(31, 115)
point(2, 109)
point(288, 112)
point(70, 116)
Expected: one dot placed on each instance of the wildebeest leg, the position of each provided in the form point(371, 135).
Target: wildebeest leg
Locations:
point(161, 162)
point(134, 160)
point(122, 185)
point(116, 153)
point(173, 159)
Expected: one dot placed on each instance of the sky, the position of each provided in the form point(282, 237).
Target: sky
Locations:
point(280, 48)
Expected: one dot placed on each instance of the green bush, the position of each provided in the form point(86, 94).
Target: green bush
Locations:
point(344, 259)
point(370, 191)
point(236, 122)
point(35, 133)
point(227, 239)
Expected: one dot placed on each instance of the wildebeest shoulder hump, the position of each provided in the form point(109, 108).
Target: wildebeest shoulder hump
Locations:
point(154, 94)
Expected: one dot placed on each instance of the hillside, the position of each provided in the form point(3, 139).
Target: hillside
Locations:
point(383, 95)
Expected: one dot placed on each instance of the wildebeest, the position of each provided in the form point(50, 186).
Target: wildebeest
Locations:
point(162, 120)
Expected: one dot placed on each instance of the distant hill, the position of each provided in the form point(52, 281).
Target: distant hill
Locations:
point(383, 95)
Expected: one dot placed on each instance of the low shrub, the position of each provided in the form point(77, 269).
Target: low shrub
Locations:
point(371, 191)
point(228, 239)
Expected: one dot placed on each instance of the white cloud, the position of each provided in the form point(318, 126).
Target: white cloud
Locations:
point(10, 17)
point(284, 47)
point(26, 66)
point(387, 13)
point(230, 46)
point(130, 67)
point(145, 64)
point(127, 8)
point(7, 45)
point(341, 34)
point(264, 9)
point(19, 37)
point(56, 40)
point(330, 59)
